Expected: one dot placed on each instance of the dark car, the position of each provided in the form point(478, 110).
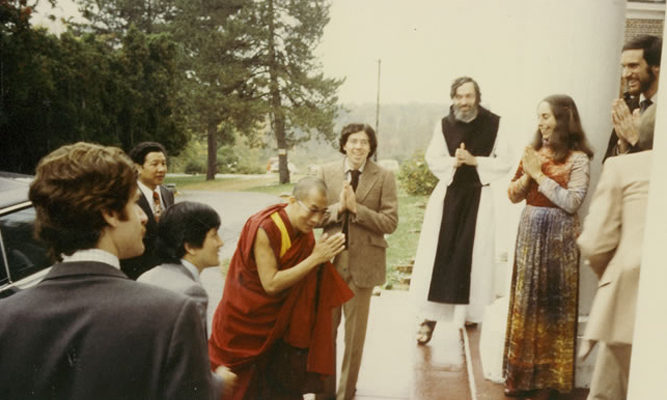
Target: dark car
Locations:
point(23, 259)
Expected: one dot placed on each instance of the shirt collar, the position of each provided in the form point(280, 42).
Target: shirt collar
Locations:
point(98, 255)
point(191, 268)
point(349, 168)
point(148, 194)
point(642, 98)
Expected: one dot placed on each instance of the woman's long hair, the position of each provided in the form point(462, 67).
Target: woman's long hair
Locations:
point(568, 135)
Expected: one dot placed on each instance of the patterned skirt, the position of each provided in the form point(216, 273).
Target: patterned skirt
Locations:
point(542, 320)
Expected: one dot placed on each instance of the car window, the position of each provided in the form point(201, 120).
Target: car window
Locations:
point(25, 255)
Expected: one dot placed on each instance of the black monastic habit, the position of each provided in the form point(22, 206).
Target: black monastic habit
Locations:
point(450, 282)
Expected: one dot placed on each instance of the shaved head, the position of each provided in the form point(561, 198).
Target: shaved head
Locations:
point(304, 187)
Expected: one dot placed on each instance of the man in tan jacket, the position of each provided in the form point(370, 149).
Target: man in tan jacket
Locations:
point(611, 243)
point(363, 204)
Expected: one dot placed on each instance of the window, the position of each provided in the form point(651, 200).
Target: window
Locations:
point(25, 255)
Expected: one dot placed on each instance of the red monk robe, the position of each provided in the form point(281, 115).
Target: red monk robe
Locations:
point(248, 321)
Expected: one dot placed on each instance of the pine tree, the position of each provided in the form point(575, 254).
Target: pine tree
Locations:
point(301, 101)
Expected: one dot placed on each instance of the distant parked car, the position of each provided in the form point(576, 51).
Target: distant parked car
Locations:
point(23, 259)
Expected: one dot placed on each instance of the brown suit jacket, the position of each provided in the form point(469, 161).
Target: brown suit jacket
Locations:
point(612, 241)
point(377, 214)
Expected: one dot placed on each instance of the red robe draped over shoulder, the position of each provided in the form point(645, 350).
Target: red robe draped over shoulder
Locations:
point(248, 321)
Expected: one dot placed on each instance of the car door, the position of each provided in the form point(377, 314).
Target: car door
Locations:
point(24, 259)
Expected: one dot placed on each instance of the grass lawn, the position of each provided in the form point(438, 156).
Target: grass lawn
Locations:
point(402, 243)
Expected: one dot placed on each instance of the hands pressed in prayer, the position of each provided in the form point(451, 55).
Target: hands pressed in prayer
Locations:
point(329, 246)
point(347, 199)
point(625, 124)
point(532, 164)
point(463, 156)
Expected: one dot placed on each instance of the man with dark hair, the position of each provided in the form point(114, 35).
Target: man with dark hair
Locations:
point(273, 325)
point(362, 203)
point(150, 159)
point(454, 265)
point(86, 331)
point(640, 60)
point(188, 242)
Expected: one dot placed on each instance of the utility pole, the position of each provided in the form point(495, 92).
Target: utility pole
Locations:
point(377, 109)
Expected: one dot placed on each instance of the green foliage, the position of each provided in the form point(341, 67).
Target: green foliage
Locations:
point(218, 95)
point(415, 177)
point(237, 157)
point(59, 90)
point(240, 160)
point(139, 70)
point(195, 166)
point(301, 100)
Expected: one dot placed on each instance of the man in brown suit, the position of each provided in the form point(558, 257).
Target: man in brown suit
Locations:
point(611, 242)
point(363, 204)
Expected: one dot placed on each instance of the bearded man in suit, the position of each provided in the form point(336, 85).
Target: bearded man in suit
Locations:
point(640, 63)
point(86, 331)
point(150, 159)
point(362, 202)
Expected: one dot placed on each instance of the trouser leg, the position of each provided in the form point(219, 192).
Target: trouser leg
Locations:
point(329, 391)
point(356, 321)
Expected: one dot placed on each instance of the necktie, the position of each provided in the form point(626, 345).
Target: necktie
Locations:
point(354, 182)
point(355, 173)
point(158, 206)
point(644, 104)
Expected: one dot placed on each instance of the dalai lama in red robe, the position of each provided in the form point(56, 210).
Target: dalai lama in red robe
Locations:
point(273, 325)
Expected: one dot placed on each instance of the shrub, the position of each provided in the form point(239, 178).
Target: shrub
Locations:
point(195, 167)
point(415, 177)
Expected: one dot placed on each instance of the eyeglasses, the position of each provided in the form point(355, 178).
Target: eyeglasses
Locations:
point(361, 142)
point(312, 211)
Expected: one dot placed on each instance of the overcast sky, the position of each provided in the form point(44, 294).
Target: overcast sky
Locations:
point(405, 35)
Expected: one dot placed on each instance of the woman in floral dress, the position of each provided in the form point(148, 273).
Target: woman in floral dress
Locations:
point(553, 178)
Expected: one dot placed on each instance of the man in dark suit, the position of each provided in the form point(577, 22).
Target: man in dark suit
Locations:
point(362, 202)
point(640, 60)
point(86, 331)
point(150, 159)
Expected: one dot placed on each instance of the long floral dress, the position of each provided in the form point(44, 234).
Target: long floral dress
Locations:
point(542, 319)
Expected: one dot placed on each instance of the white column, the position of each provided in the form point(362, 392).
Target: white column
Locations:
point(522, 51)
point(648, 370)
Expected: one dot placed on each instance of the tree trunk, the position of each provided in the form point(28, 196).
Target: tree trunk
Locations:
point(276, 104)
point(212, 162)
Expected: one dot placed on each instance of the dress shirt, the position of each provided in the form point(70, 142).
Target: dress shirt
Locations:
point(349, 168)
point(148, 193)
point(643, 99)
point(96, 255)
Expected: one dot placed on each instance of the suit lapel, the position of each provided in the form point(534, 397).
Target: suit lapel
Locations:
point(143, 203)
point(167, 196)
point(367, 180)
